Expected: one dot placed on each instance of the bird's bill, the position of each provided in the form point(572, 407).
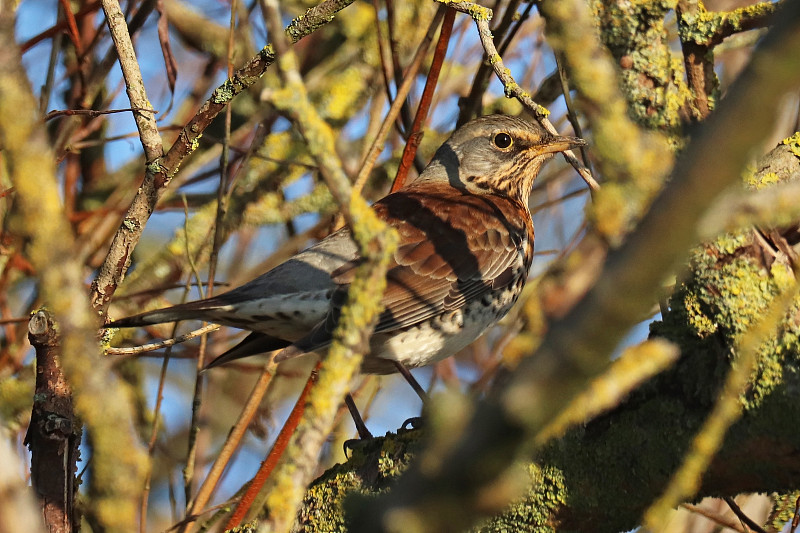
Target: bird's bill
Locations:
point(561, 144)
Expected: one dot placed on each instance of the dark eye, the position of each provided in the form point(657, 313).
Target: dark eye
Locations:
point(503, 140)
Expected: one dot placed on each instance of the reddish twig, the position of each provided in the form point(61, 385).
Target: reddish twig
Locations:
point(72, 27)
point(281, 442)
point(49, 32)
point(415, 135)
point(402, 92)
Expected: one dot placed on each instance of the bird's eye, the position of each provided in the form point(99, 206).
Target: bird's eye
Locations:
point(503, 140)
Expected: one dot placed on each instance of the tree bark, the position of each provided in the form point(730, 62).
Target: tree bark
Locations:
point(54, 434)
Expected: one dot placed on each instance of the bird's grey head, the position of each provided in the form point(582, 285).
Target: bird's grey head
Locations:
point(495, 154)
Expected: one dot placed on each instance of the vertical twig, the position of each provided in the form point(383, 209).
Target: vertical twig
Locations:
point(54, 433)
point(415, 135)
point(402, 92)
point(232, 442)
point(134, 84)
point(222, 206)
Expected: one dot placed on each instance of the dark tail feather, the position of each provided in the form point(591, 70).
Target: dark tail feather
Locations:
point(199, 310)
point(253, 344)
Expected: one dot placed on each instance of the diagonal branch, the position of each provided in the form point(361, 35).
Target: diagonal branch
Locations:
point(160, 170)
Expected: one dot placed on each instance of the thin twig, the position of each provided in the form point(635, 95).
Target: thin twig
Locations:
point(746, 520)
point(415, 135)
point(93, 112)
point(151, 445)
point(571, 114)
point(222, 204)
point(152, 346)
point(382, 52)
point(402, 92)
point(235, 436)
point(717, 518)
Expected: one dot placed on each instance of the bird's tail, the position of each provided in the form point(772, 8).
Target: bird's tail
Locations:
point(200, 310)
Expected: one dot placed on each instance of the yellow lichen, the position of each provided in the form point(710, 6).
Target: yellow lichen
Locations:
point(793, 143)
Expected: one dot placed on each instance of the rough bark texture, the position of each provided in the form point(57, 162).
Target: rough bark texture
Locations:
point(54, 434)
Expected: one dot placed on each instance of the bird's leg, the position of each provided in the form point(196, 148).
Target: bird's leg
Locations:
point(412, 381)
point(363, 432)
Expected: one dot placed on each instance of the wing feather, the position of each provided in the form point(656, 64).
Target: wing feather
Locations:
point(442, 263)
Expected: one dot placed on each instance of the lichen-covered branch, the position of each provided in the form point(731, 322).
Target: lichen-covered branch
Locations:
point(284, 491)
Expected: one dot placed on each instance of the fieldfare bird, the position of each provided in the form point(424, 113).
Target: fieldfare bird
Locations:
point(466, 244)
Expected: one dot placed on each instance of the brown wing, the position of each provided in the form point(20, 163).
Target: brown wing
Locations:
point(455, 248)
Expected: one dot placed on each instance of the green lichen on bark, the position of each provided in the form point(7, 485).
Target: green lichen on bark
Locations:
point(730, 286)
point(651, 74)
point(374, 467)
point(534, 512)
point(371, 469)
point(703, 27)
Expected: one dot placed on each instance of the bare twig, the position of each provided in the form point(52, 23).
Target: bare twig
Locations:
point(415, 135)
point(152, 346)
point(145, 121)
point(717, 518)
point(410, 77)
point(235, 436)
point(746, 520)
point(93, 113)
point(222, 207)
point(275, 453)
